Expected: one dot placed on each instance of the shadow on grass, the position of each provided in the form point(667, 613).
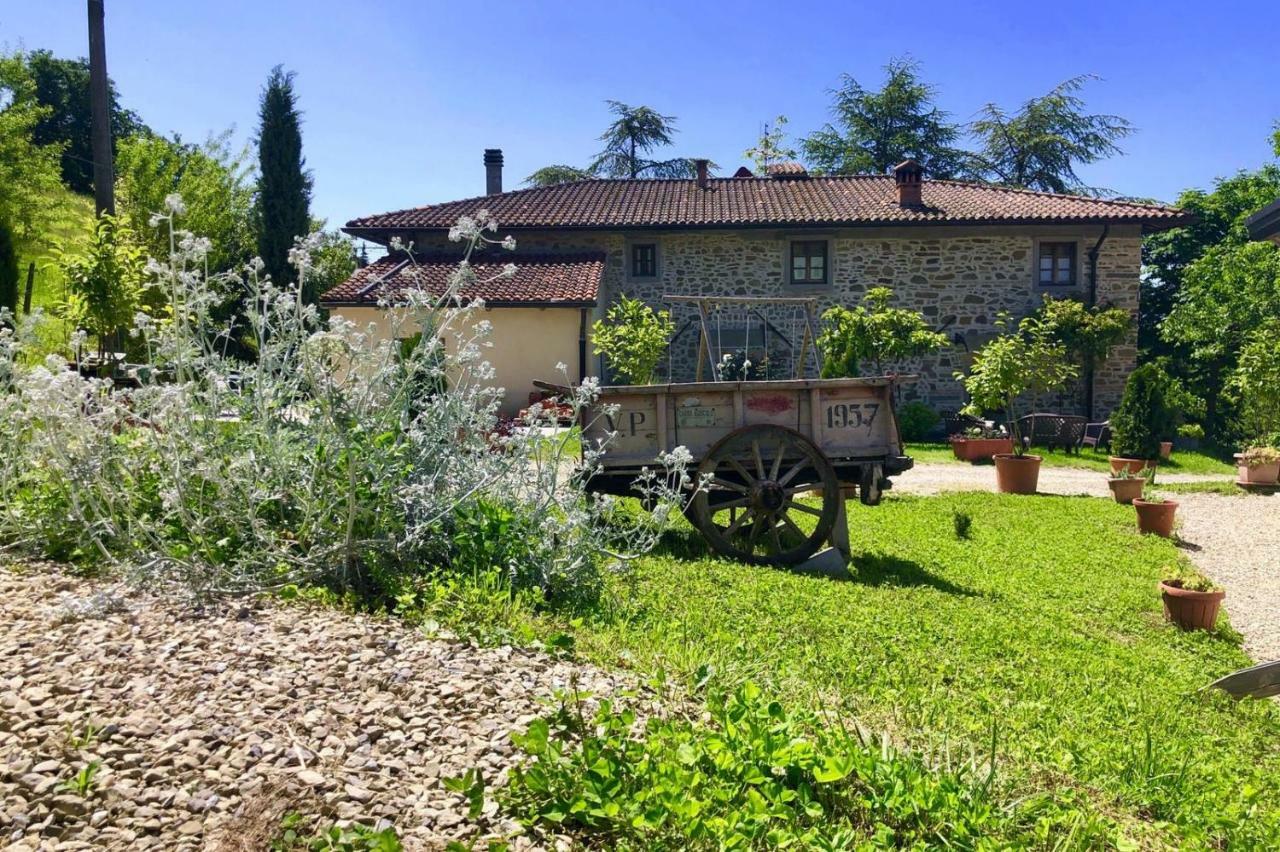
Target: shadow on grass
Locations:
point(867, 569)
point(877, 569)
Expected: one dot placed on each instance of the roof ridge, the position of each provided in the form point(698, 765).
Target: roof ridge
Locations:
point(1073, 196)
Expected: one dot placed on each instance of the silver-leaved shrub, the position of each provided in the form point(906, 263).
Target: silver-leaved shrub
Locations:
point(338, 456)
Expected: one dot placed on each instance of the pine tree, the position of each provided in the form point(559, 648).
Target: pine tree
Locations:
point(8, 270)
point(284, 187)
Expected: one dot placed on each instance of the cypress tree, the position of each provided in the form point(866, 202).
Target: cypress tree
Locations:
point(8, 270)
point(284, 187)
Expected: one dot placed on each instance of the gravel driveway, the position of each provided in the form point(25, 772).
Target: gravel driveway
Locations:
point(212, 725)
point(936, 478)
point(1236, 541)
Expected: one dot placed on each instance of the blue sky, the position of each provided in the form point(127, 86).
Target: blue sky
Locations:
point(400, 98)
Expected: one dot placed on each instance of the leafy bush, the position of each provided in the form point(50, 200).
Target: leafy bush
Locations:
point(337, 458)
point(1026, 361)
point(1088, 334)
point(751, 775)
point(632, 338)
point(1143, 417)
point(1257, 381)
point(916, 420)
point(873, 332)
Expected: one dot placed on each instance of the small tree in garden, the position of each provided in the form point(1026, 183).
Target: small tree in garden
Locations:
point(104, 281)
point(873, 332)
point(1013, 364)
point(632, 338)
point(1144, 415)
point(1257, 381)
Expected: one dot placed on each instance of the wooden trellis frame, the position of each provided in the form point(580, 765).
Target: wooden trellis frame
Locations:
point(710, 352)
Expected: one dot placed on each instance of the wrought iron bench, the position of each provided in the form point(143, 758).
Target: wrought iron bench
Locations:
point(1053, 431)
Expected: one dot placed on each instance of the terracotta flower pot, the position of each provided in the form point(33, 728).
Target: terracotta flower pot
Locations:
point(1166, 450)
point(1258, 474)
point(980, 449)
point(1126, 490)
point(1134, 466)
point(1190, 610)
point(1155, 518)
point(1017, 474)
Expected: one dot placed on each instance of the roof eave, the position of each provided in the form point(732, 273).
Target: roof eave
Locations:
point(1265, 224)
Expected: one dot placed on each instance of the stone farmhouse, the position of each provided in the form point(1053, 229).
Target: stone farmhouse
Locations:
point(960, 253)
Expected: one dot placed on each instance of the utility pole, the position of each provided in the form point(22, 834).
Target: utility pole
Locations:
point(104, 196)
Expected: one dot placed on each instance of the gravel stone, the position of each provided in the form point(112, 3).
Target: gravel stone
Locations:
point(214, 722)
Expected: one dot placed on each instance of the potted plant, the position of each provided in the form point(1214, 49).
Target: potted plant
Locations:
point(1155, 514)
point(1191, 601)
point(1026, 361)
point(1126, 486)
point(980, 443)
point(1258, 465)
point(1142, 417)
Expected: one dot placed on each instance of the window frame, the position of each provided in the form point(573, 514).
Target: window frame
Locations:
point(826, 279)
point(1056, 243)
point(632, 246)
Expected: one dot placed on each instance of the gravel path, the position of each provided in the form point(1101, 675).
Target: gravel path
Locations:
point(936, 478)
point(1236, 542)
point(212, 725)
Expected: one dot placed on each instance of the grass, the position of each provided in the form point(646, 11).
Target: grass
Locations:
point(1042, 626)
point(72, 225)
point(1182, 461)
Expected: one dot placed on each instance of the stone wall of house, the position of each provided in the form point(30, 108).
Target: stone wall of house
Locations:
point(959, 280)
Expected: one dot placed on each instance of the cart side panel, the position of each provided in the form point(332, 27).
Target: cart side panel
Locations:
point(787, 407)
point(855, 421)
point(697, 420)
point(636, 426)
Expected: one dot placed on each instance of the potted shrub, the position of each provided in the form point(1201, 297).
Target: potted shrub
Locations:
point(980, 444)
point(1142, 417)
point(1166, 450)
point(1191, 602)
point(1027, 361)
point(1155, 514)
point(1126, 486)
point(1259, 466)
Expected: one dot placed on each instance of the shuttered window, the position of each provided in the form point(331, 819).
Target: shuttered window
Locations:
point(1057, 265)
point(809, 262)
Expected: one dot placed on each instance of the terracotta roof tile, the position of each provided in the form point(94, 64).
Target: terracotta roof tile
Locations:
point(569, 280)
point(764, 201)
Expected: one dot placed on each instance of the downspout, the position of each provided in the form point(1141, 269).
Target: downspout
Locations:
point(582, 344)
point(1093, 302)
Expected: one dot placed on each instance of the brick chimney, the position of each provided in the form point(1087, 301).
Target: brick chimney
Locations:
point(909, 175)
point(492, 171)
point(702, 167)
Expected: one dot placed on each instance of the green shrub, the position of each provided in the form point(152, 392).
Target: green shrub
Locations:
point(1144, 416)
point(752, 775)
point(916, 420)
point(632, 338)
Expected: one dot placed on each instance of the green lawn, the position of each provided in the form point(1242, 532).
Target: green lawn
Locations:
point(1044, 627)
point(1183, 461)
point(71, 227)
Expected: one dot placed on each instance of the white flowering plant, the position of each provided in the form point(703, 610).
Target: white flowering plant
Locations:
point(339, 456)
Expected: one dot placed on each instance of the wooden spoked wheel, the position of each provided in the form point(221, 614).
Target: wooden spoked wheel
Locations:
point(772, 497)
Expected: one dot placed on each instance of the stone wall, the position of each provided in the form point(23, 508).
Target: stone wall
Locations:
point(960, 280)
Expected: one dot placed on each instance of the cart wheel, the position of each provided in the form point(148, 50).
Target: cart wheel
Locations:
point(753, 508)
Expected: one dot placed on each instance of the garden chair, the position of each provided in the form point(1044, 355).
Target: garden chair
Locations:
point(1097, 435)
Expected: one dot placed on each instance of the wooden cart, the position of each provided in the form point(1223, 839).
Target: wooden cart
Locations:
point(780, 456)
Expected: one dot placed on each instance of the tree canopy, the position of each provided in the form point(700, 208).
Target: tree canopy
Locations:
point(1041, 145)
point(284, 186)
point(551, 175)
point(876, 130)
point(29, 172)
point(62, 85)
point(634, 134)
point(771, 147)
point(215, 183)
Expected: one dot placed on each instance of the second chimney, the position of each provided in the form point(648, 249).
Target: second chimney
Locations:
point(909, 176)
point(492, 171)
point(702, 166)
